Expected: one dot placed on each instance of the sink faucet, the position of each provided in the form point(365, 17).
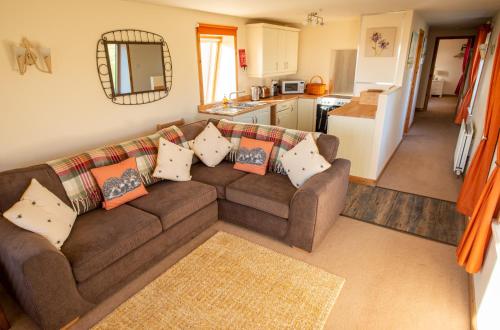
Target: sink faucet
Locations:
point(236, 94)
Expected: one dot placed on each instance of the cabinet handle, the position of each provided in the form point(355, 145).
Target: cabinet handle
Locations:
point(276, 66)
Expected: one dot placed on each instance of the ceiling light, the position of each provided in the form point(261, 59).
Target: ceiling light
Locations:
point(313, 18)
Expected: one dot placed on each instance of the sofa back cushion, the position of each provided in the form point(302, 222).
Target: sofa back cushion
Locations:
point(13, 183)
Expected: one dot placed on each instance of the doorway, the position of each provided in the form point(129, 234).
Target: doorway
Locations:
point(449, 67)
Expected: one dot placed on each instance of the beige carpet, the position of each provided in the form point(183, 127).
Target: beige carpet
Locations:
point(423, 163)
point(393, 280)
point(231, 283)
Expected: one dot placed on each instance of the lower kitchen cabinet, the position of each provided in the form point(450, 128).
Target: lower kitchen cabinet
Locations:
point(260, 116)
point(306, 115)
point(286, 114)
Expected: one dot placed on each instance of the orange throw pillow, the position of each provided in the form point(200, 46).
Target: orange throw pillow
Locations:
point(119, 183)
point(253, 155)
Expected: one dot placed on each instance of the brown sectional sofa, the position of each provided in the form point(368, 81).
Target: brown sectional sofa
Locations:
point(107, 249)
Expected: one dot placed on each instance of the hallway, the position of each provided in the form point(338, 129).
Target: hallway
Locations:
point(423, 163)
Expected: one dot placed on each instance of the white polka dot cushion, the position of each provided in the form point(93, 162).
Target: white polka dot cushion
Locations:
point(303, 161)
point(210, 146)
point(173, 162)
point(42, 212)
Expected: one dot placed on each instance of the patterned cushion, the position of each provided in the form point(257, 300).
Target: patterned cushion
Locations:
point(173, 162)
point(41, 212)
point(80, 186)
point(284, 139)
point(210, 147)
point(303, 161)
point(120, 183)
point(253, 156)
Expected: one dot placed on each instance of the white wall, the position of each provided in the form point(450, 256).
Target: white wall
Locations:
point(389, 127)
point(317, 42)
point(45, 116)
point(447, 65)
point(383, 72)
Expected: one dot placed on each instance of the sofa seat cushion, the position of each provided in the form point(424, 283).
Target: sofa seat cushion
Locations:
point(219, 176)
point(271, 193)
point(101, 237)
point(173, 201)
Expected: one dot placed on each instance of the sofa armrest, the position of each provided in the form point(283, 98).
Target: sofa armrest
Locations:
point(317, 204)
point(40, 277)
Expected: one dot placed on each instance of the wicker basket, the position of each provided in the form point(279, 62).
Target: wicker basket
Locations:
point(316, 88)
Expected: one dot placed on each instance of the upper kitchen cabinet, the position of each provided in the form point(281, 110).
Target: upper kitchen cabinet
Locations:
point(272, 50)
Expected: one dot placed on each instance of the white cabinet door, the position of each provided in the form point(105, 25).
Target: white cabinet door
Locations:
point(286, 116)
point(291, 51)
point(306, 115)
point(263, 116)
point(245, 118)
point(270, 50)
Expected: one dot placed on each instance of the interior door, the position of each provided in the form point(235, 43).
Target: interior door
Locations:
point(416, 68)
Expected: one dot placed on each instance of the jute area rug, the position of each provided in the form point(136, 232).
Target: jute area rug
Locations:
point(230, 283)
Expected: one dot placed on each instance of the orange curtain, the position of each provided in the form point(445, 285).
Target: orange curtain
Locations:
point(477, 174)
point(463, 112)
point(474, 242)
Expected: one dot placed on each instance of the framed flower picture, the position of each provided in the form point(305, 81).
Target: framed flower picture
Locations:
point(380, 41)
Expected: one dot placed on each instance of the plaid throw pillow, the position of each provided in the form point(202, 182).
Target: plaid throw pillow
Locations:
point(78, 181)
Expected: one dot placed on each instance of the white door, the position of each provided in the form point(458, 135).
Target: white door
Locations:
point(291, 51)
point(287, 118)
point(270, 50)
point(245, 118)
point(306, 115)
point(263, 116)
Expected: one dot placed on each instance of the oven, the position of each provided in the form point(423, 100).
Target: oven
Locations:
point(292, 86)
point(326, 104)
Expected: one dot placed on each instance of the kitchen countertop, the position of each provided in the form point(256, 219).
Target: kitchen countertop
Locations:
point(270, 101)
point(355, 109)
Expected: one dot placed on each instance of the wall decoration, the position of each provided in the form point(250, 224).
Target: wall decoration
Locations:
point(380, 41)
point(134, 66)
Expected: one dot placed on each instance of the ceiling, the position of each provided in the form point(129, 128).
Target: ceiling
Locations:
point(435, 12)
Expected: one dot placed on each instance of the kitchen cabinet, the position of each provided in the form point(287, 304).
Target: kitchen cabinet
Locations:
point(272, 50)
point(306, 115)
point(260, 116)
point(286, 114)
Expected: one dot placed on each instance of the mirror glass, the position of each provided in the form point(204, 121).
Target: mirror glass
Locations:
point(136, 67)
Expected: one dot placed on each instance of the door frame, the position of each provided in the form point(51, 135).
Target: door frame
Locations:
point(433, 65)
point(416, 70)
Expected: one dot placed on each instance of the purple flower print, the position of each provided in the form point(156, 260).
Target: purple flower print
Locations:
point(376, 36)
point(383, 44)
point(379, 43)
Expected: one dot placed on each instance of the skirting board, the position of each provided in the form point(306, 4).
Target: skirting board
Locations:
point(472, 303)
point(360, 180)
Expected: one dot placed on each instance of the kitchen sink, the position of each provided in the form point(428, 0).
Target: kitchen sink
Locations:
point(234, 108)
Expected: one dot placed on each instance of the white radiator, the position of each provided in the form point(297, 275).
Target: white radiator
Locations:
point(463, 146)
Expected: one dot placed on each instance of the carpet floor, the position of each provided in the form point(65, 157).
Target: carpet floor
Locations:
point(423, 163)
point(419, 215)
point(231, 283)
point(393, 280)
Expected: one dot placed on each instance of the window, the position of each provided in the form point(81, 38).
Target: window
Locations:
point(217, 68)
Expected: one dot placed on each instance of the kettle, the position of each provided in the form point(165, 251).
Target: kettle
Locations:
point(255, 92)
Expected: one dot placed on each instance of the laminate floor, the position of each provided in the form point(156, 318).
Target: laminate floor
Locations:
point(428, 217)
point(423, 163)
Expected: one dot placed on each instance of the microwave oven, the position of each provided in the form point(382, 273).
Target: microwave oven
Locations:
point(292, 86)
